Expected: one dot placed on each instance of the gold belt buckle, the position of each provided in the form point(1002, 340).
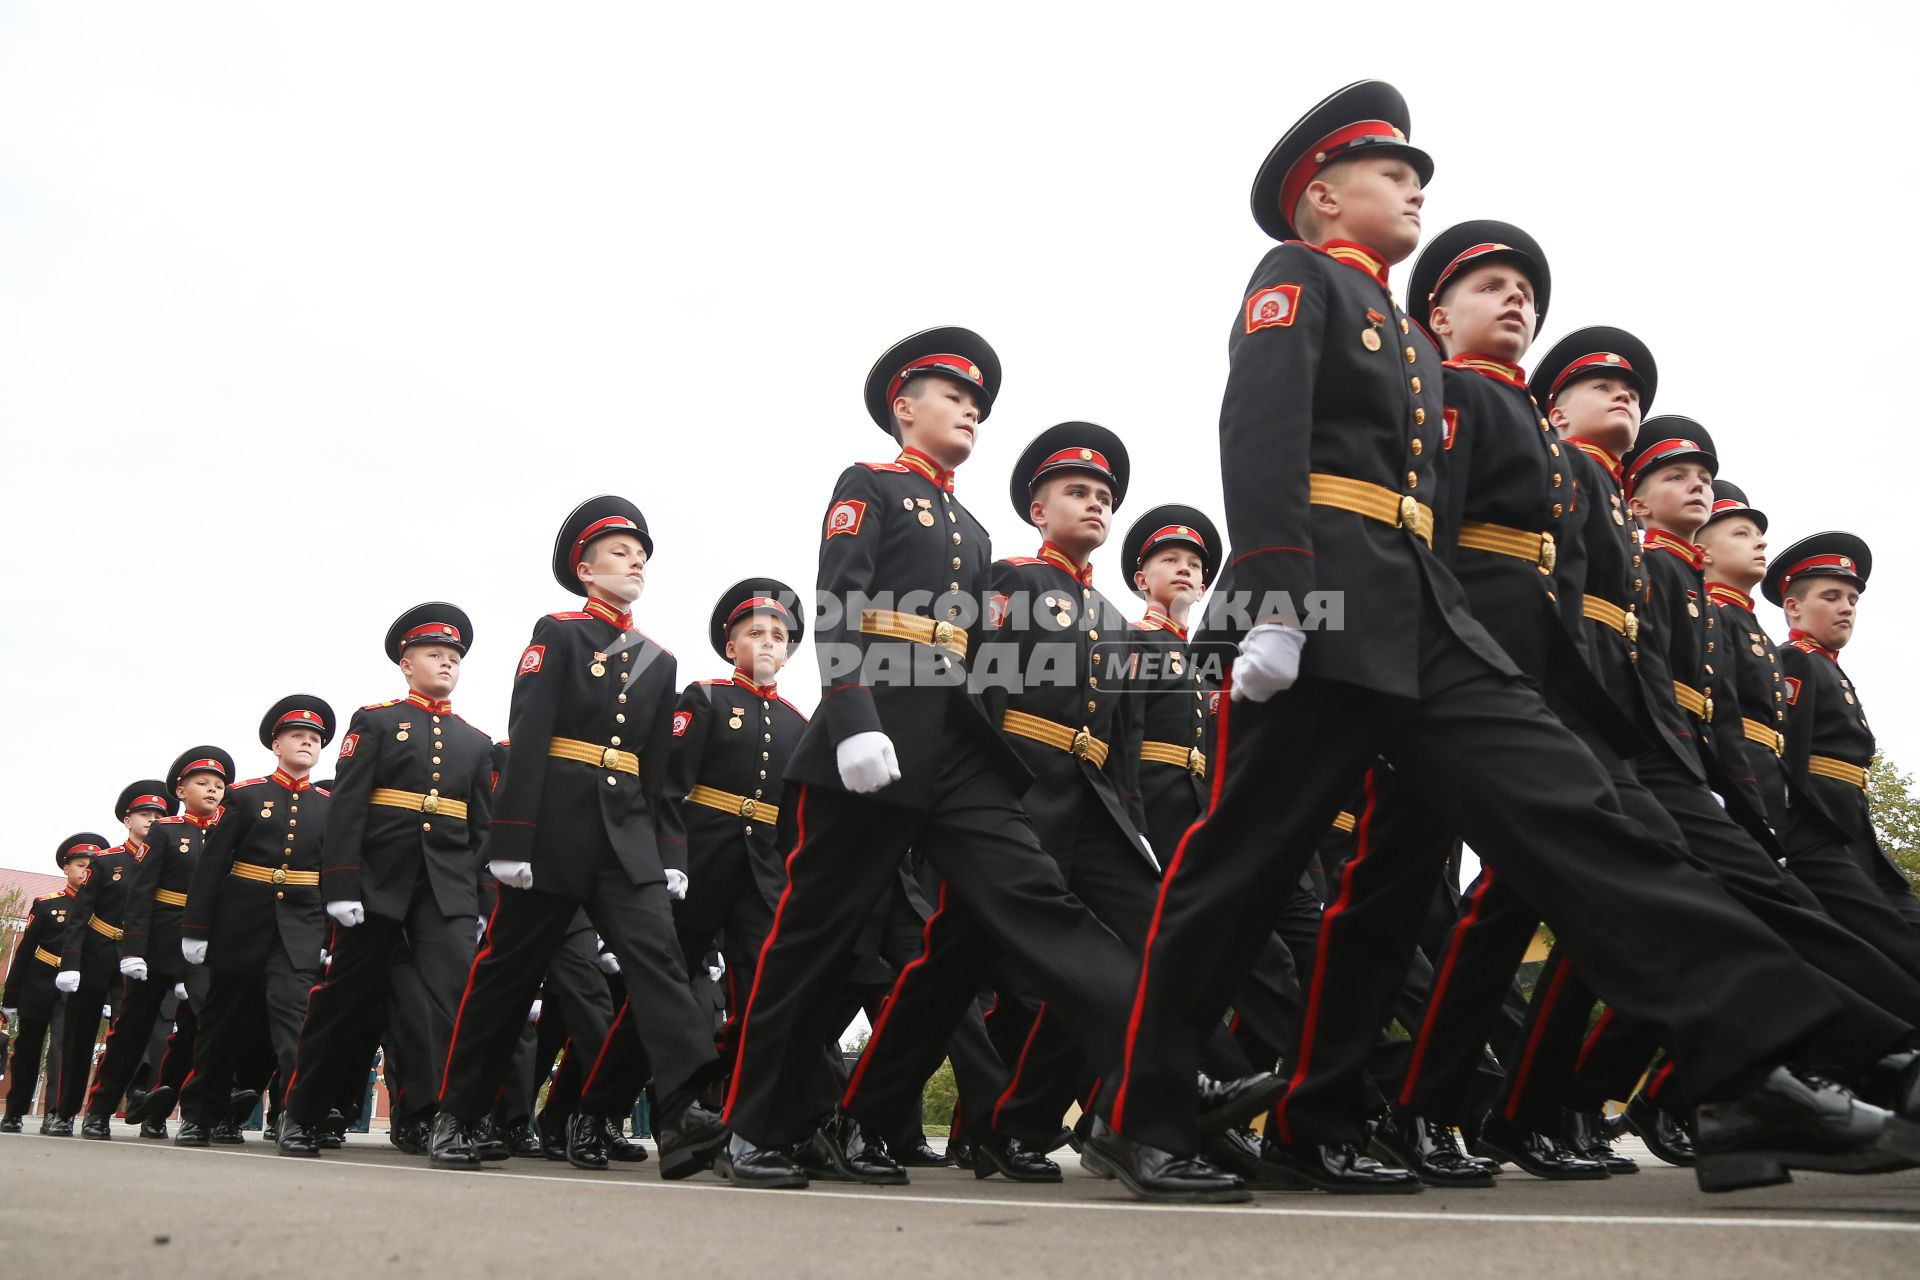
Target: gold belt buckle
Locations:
point(1633, 626)
point(1549, 554)
point(1196, 760)
point(429, 804)
point(610, 757)
point(1409, 512)
point(747, 808)
point(279, 875)
point(943, 634)
point(1082, 744)
point(1706, 701)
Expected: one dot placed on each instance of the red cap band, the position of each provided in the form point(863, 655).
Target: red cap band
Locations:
point(155, 802)
point(1078, 459)
point(758, 602)
point(1329, 148)
point(612, 524)
point(1725, 505)
point(1171, 533)
point(1583, 363)
point(1842, 563)
point(1478, 251)
point(302, 716)
point(1655, 454)
point(430, 630)
point(79, 849)
point(205, 766)
point(959, 366)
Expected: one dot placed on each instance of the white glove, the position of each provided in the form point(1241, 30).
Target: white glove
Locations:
point(326, 958)
point(676, 883)
point(347, 914)
point(68, 981)
point(9, 1014)
point(515, 875)
point(533, 1014)
point(609, 962)
point(479, 929)
point(194, 949)
point(179, 991)
point(1269, 661)
point(867, 762)
point(133, 967)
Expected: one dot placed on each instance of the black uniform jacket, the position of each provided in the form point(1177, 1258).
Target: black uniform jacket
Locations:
point(236, 902)
point(1072, 650)
point(1750, 704)
point(1179, 710)
point(895, 538)
point(1328, 378)
point(589, 677)
point(1825, 719)
point(157, 901)
point(36, 958)
point(375, 853)
point(103, 898)
point(736, 738)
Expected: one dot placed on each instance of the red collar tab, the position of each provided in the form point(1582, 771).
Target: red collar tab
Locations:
point(148, 802)
point(209, 820)
point(138, 848)
point(1463, 259)
point(1687, 551)
point(957, 366)
point(1721, 593)
point(1159, 619)
point(612, 524)
point(290, 782)
point(1082, 574)
point(430, 631)
point(67, 890)
point(1073, 460)
point(302, 716)
point(1330, 148)
point(1357, 256)
point(607, 613)
point(1487, 366)
point(915, 460)
point(441, 707)
point(1169, 533)
point(1584, 363)
point(1807, 644)
point(206, 766)
point(1654, 455)
point(1843, 563)
point(764, 691)
point(1598, 454)
point(759, 602)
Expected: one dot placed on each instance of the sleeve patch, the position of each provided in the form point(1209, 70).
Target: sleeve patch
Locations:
point(846, 517)
point(681, 719)
point(347, 745)
point(1793, 692)
point(1451, 429)
point(997, 610)
point(530, 660)
point(1273, 308)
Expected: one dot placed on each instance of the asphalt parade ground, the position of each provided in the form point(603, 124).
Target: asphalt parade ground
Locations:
point(134, 1209)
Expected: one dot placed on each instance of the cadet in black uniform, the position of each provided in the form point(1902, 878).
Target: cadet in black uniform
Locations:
point(91, 971)
point(31, 998)
point(584, 817)
point(1818, 582)
point(150, 951)
point(1324, 493)
point(400, 864)
point(254, 915)
point(903, 754)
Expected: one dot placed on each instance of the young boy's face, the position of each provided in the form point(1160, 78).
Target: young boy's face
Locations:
point(1172, 577)
point(1073, 510)
point(76, 871)
point(757, 645)
point(1825, 611)
point(296, 749)
point(1677, 497)
point(432, 670)
point(1736, 550)
point(201, 792)
point(615, 565)
point(939, 417)
point(1487, 311)
point(1370, 200)
point(139, 822)
point(1599, 408)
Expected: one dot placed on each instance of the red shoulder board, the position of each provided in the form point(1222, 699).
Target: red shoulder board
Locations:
point(248, 782)
point(1023, 560)
point(721, 680)
point(1804, 646)
point(49, 897)
point(323, 791)
point(570, 617)
point(174, 818)
point(885, 466)
point(390, 702)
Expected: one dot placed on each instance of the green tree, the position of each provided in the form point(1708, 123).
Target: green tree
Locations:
point(1896, 814)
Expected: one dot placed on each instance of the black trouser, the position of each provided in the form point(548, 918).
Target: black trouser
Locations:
point(1489, 761)
point(77, 1037)
point(527, 930)
point(177, 1064)
point(999, 893)
point(128, 1040)
point(361, 982)
point(1843, 878)
point(29, 1033)
point(251, 1018)
point(724, 901)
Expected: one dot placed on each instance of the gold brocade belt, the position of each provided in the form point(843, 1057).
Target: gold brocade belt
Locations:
point(170, 897)
point(1840, 770)
point(45, 956)
point(1075, 742)
point(1344, 821)
point(1693, 700)
point(422, 804)
point(1611, 615)
point(1192, 759)
point(1764, 734)
point(911, 626)
point(1375, 502)
point(274, 875)
point(1536, 549)
point(104, 929)
point(602, 757)
point(738, 806)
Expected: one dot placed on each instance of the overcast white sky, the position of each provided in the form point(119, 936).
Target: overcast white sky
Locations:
point(312, 312)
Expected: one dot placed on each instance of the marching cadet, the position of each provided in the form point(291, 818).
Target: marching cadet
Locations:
point(254, 917)
point(1818, 582)
point(151, 960)
point(902, 754)
point(584, 817)
point(400, 864)
point(1750, 697)
point(31, 997)
point(1327, 493)
point(90, 964)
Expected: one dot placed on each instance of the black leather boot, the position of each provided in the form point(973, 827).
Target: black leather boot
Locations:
point(764, 1168)
point(192, 1135)
point(96, 1128)
point(1787, 1123)
point(1240, 1152)
point(331, 1133)
point(1153, 1174)
point(586, 1141)
point(1339, 1167)
point(451, 1144)
point(689, 1141)
point(620, 1148)
point(1660, 1129)
point(1431, 1152)
point(523, 1142)
point(838, 1152)
point(1012, 1159)
point(487, 1143)
point(1533, 1152)
point(1226, 1104)
point(57, 1126)
point(1585, 1134)
point(296, 1139)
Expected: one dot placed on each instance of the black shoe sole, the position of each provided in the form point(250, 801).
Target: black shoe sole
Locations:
point(1113, 1161)
point(694, 1157)
point(1259, 1102)
point(795, 1181)
point(1898, 1148)
point(1545, 1172)
point(285, 1150)
point(1661, 1151)
point(589, 1165)
point(461, 1165)
point(1385, 1154)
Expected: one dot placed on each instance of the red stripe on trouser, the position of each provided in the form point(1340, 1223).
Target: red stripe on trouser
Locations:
point(453, 1041)
point(1020, 1066)
point(1659, 1080)
point(760, 965)
point(1362, 846)
point(333, 949)
point(1518, 1084)
point(593, 1072)
point(1116, 1117)
point(1439, 992)
point(1593, 1038)
point(893, 1000)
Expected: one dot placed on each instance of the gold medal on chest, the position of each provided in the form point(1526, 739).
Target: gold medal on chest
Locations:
point(1370, 339)
point(733, 722)
point(599, 667)
point(925, 518)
